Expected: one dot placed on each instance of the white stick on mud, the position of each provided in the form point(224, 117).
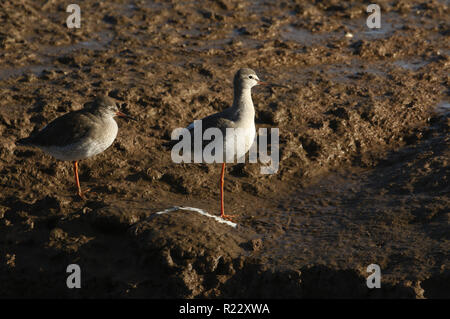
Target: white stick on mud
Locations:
point(200, 211)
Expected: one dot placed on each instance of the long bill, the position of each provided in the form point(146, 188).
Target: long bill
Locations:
point(120, 114)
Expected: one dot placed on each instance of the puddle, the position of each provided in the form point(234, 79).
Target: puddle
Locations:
point(100, 42)
point(129, 10)
point(233, 38)
point(304, 36)
point(375, 33)
point(386, 30)
point(356, 27)
point(443, 107)
point(47, 53)
point(7, 73)
point(410, 65)
point(390, 22)
point(347, 73)
point(156, 5)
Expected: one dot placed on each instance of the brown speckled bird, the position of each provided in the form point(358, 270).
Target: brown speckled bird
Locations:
point(80, 134)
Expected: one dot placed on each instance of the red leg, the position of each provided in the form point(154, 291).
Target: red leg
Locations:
point(222, 210)
point(75, 170)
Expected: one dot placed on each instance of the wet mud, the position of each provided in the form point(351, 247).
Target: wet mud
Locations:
point(364, 150)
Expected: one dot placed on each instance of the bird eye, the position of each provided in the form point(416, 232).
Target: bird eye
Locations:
point(250, 77)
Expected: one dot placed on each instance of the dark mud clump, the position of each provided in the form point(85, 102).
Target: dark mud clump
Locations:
point(364, 150)
point(195, 255)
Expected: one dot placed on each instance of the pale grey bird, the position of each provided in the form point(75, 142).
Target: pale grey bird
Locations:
point(240, 116)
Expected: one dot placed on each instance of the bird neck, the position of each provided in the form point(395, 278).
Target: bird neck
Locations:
point(243, 103)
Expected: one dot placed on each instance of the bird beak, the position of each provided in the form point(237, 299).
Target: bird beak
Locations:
point(118, 113)
point(272, 84)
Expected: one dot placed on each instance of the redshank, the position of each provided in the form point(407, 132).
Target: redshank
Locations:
point(240, 117)
point(80, 134)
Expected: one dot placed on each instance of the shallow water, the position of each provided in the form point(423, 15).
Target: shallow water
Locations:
point(46, 55)
point(98, 42)
point(412, 64)
point(443, 107)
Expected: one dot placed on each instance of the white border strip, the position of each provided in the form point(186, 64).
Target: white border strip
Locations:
point(200, 211)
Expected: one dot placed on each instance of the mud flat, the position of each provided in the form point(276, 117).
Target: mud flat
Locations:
point(364, 150)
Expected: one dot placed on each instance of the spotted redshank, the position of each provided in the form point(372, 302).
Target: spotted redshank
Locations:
point(240, 117)
point(80, 134)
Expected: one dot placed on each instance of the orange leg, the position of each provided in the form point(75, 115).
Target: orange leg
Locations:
point(222, 210)
point(75, 170)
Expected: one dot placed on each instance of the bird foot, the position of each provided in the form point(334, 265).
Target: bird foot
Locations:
point(82, 194)
point(227, 217)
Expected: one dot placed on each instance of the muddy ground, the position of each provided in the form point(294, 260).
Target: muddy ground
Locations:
point(364, 150)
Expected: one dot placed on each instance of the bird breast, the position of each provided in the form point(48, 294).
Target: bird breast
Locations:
point(103, 137)
point(240, 142)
